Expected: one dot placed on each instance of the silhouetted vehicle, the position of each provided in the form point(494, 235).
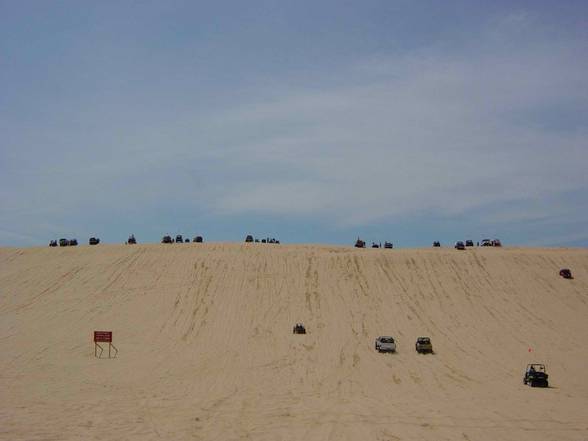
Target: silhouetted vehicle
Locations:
point(299, 329)
point(73, 242)
point(277, 241)
point(469, 243)
point(359, 243)
point(385, 344)
point(179, 238)
point(423, 345)
point(198, 239)
point(131, 240)
point(486, 243)
point(63, 242)
point(53, 243)
point(496, 243)
point(94, 241)
point(388, 245)
point(263, 240)
point(249, 238)
point(459, 245)
point(167, 239)
point(436, 244)
point(375, 245)
point(565, 273)
point(256, 240)
point(536, 375)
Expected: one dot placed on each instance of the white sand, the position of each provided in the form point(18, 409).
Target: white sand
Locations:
point(207, 352)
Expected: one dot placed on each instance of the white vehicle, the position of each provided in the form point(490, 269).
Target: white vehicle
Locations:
point(385, 344)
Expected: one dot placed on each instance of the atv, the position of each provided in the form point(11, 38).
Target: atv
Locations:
point(423, 345)
point(536, 376)
point(299, 329)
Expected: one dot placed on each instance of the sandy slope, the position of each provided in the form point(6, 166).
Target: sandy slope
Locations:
point(207, 353)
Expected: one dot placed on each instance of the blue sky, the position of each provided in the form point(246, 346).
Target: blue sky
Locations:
point(307, 121)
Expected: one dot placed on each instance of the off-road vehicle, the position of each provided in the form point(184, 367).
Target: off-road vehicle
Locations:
point(423, 345)
point(94, 241)
point(167, 239)
point(359, 243)
point(469, 243)
point(436, 244)
point(131, 240)
point(299, 329)
point(566, 273)
point(459, 245)
point(198, 239)
point(388, 245)
point(385, 344)
point(536, 376)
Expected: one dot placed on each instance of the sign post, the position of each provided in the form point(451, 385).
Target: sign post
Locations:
point(103, 337)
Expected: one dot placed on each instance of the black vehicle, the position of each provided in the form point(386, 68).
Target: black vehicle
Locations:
point(486, 243)
point(73, 242)
point(375, 245)
point(256, 240)
point(299, 329)
point(63, 242)
point(249, 238)
point(198, 239)
point(469, 243)
point(423, 345)
point(536, 375)
point(131, 240)
point(94, 241)
point(167, 239)
point(566, 273)
point(53, 243)
point(359, 243)
point(388, 245)
point(437, 244)
point(179, 239)
point(459, 245)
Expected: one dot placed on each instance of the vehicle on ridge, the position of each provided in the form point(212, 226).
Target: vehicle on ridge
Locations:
point(486, 243)
point(198, 239)
point(359, 243)
point(249, 238)
point(469, 243)
point(459, 245)
point(436, 244)
point(94, 241)
point(131, 240)
point(388, 245)
point(53, 243)
point(167, 239)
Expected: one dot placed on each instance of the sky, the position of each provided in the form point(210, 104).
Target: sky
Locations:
point(307, 121)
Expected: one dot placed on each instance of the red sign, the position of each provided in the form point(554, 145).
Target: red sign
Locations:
point(102, 336)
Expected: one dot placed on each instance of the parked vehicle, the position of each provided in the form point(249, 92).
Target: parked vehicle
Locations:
point(565, 273)
point(249, 238)
point(423, 345)
point(63, 242)
point(388, 245)
point(198, 239)
point(536, 375)
point(167, 239)
point(53, 243)
point(469, 243)
point(486, 243)
point(359, 243)
point(131, 240)
point(385, 344)
point(496, 243)
point(179, 239)
point(73, 242)
point(94, 241)
point(436, 244)
point(459, 245)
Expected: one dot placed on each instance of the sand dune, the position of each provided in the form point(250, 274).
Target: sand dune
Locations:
point(207, 352)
